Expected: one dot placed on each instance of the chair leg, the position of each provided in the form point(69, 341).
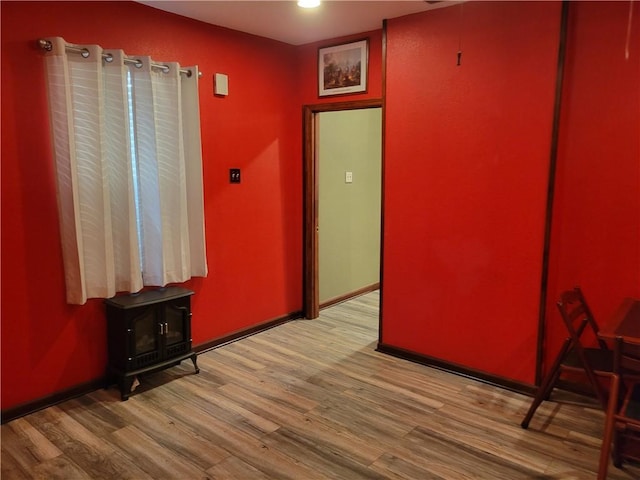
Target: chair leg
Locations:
point(542, 394)
point(547, 385)
point(602, 397)
point(617, 458)
point(612, 406)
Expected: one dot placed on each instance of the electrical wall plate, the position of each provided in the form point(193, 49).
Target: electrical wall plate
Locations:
point(221, 84)
point(234, 175)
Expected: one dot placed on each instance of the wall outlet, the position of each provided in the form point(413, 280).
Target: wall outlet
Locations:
point(348, 177)
point(234, 175)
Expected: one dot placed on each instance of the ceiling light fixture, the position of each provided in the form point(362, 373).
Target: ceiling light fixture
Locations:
point(309, 3)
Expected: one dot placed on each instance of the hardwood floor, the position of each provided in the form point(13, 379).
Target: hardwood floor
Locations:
point(310, 399)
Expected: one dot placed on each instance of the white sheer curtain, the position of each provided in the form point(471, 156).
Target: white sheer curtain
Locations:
point(127, 149)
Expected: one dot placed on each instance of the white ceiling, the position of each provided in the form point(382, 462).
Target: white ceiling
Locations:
point(286, 22)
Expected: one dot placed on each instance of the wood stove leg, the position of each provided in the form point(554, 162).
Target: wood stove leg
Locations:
point(126, 381)
point(108, 379)
point(194, 359)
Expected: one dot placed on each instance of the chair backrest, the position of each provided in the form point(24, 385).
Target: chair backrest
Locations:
point(578, 318)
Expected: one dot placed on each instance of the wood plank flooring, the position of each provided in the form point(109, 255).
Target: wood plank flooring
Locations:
point(310, 399)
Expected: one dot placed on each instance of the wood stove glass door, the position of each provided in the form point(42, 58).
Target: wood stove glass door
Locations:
point(176, 324)
point(146, 332)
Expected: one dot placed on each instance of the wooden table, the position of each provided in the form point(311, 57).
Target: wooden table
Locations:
point(625, 323)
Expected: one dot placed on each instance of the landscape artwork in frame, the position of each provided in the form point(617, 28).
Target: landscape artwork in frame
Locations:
point(342, 69)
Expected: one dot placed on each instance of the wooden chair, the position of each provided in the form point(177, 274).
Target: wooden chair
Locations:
point(574, 357)
point(622, 423)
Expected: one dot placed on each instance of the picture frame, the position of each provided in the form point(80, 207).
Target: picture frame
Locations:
point(343, 69)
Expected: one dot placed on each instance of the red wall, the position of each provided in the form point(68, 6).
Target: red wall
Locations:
point(466, 168)
point(596, 216)
point(254, 237)
point(476, 140)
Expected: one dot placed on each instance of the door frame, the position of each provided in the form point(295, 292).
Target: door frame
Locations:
point(310, 288)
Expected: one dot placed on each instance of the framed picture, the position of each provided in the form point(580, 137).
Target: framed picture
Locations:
point(342, 69)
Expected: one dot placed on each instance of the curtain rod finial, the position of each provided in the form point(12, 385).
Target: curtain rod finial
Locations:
point(45, 45)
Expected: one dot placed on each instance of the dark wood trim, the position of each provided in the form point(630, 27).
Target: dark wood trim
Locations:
point(450, 367)
point(245, 332)
point(85, 388)
point(553, 158)
point(382, 169)
point(337, 106)
point(51, 400)
point(310, 300)
point(349, 296)
point(310, 222)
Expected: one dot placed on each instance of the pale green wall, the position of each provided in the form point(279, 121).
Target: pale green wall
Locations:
point(349, 214)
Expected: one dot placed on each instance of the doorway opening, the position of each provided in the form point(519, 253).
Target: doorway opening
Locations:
point(311, 296)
